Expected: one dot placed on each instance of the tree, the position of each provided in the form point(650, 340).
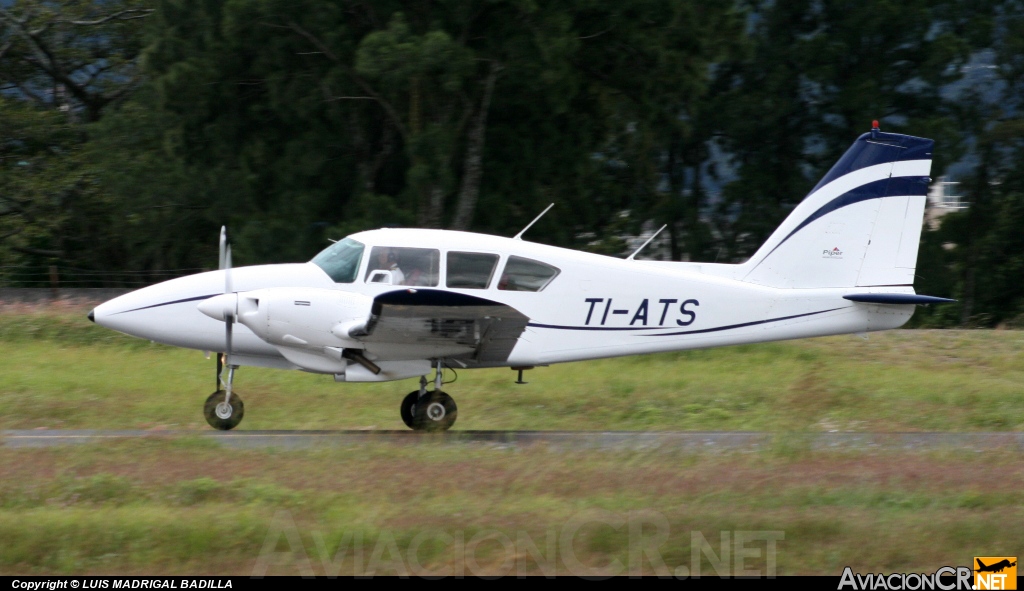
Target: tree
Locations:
point(62, 65)
point(35, 188)
point(978, 251)
point(450, 114)
point(76, 55)
point(819, 74)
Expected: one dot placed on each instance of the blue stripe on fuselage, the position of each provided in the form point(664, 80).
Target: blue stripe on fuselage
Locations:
point(194, 299)
point(564, 327)
point(742, 325)
point(667, 334)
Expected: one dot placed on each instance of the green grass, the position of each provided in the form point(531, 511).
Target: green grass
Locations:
point(60, 371)
point(185, 505)
point(177, 507)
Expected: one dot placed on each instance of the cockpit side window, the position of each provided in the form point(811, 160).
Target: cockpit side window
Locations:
point(470, 270)
point(341, 260)
point(526, 275)
point(396, 265)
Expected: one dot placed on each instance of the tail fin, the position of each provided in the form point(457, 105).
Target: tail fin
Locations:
point(859, 227)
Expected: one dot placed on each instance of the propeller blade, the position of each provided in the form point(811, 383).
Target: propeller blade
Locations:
point(223, 245)
point(227, 271)
point(229, 318)
point(229, 325)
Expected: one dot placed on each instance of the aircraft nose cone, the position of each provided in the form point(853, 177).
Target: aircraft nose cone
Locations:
point(92, 316)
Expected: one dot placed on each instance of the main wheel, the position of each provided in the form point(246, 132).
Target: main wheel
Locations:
point(408, 408)
point(434, 412)
point(223, 415)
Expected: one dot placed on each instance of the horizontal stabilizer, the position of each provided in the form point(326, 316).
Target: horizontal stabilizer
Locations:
point(895, 298)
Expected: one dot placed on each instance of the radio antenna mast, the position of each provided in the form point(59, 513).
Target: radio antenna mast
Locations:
point(637, 251)
point(519, 236)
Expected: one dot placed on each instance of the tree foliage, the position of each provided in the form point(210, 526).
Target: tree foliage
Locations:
point(130, 130)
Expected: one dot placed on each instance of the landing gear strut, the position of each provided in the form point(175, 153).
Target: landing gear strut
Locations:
point(224, 409)
point(429, 411)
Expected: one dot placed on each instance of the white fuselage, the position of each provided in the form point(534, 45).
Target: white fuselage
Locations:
point(596, 307)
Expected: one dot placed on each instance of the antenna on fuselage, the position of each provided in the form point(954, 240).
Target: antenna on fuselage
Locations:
point(519, 236)
point(653, 236)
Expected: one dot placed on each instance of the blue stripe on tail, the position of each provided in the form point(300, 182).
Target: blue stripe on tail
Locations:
point(870, 150)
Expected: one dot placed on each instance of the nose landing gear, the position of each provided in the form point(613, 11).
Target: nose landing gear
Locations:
point(429, 411)
point(224, 409)
point(223, 414)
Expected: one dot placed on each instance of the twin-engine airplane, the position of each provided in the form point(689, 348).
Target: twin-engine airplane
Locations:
point(393, 304)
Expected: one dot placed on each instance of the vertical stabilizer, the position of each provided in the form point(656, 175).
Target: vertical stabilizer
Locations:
point(859, 227)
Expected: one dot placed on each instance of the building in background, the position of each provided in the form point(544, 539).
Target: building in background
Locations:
point(943, 197)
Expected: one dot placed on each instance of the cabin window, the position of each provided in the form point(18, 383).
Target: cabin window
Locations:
point(526, 275)
point(394, 265)
point(470, 270)
point(341, 260)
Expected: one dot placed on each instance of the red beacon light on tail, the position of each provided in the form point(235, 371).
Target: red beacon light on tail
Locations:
point(874, 128)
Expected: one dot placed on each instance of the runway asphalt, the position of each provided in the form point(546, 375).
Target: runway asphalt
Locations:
point(690, 441)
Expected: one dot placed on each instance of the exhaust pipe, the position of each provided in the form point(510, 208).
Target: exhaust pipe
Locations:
point(355, 355)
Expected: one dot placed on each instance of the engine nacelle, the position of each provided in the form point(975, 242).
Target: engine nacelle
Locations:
point(389, 370)
point(304, 318)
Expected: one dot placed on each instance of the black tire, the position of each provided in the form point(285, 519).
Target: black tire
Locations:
point(435, 412)
point(229, 422)
point(408, 404)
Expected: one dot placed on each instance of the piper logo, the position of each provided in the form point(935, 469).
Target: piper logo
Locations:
point(995, 572)
point(835, 253)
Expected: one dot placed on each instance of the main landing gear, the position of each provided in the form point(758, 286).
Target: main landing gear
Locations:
point(224, 409)
point(429, 411)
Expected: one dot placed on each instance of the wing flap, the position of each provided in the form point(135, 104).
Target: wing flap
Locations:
point(445, 324)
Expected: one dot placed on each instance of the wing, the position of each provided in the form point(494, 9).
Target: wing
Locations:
point(429, 323)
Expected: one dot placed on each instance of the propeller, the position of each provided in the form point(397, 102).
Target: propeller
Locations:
point(229, 313)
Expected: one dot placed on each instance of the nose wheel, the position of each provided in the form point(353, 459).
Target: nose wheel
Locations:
point(223, 412)
point(224, 409)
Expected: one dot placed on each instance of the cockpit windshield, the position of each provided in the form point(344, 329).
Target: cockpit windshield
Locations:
point(341, 260)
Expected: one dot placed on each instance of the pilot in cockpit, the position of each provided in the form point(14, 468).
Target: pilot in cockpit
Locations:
point(387, 259)
point(415, 268)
